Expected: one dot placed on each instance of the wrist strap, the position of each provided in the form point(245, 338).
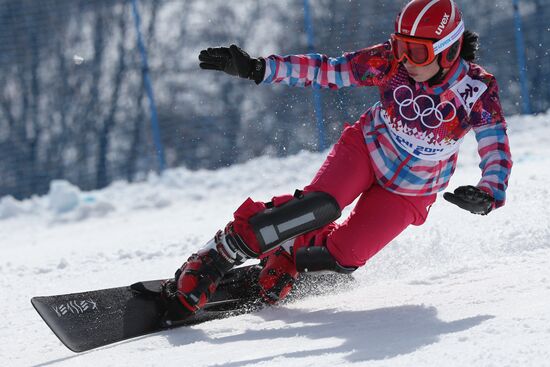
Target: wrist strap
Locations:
point(257, 70)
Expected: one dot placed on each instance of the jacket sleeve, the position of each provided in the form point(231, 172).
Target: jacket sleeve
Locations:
point(366, 67)
point(493, 146)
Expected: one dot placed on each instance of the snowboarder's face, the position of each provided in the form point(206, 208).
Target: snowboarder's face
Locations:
point(421, 73)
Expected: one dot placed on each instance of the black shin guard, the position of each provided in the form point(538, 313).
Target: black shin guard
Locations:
point(317, 258)
point(304, 213)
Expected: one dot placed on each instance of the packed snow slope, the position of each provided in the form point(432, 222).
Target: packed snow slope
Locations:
point(462, 290)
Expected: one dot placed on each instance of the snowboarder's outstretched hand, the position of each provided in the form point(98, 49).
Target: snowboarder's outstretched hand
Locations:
point(472, 199)
point(234, 61)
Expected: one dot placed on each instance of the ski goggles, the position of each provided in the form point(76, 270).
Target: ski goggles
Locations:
point(422, 51)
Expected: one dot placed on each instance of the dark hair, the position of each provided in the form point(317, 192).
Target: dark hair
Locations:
point(470, 45)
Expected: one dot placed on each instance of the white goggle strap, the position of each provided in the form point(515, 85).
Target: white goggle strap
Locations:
point(449, 39)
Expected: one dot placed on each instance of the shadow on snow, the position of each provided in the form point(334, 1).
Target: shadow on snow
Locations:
point(366, 335)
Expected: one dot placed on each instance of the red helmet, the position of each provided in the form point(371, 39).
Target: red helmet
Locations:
point(439, 21)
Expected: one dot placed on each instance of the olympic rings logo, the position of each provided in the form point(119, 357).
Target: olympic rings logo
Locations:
point(431, 110)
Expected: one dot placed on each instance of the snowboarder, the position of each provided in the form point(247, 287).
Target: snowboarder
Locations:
point(395, 158)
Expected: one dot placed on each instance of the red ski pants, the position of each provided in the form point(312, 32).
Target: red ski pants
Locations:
point(379, 215)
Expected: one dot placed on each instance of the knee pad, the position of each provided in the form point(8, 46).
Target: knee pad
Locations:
point(318, 258)
point(303, 213)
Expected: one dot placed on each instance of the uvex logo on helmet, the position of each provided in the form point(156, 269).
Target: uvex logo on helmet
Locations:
point(432, 20)
point(442, 25)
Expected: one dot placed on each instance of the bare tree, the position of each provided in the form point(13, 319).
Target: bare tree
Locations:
point(108, 122)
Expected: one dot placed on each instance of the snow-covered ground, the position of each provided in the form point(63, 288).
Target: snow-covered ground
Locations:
point(462, 290)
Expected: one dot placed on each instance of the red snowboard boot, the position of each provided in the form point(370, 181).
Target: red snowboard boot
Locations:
point(277, 276)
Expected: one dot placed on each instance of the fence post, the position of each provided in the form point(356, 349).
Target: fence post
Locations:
point(316, 92)
point(149, 89)
point(520, 47)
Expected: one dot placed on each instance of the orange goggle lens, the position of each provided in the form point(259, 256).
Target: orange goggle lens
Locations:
point(417, 51)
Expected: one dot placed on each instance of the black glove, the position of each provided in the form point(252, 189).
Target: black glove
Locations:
point(234, 61)
point(472, 199)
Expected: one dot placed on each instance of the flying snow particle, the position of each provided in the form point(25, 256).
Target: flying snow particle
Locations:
point(78, 59)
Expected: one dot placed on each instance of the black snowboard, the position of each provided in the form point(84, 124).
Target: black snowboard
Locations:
point(87, 320)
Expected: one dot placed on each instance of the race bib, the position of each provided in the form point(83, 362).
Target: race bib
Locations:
point(424, 146)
